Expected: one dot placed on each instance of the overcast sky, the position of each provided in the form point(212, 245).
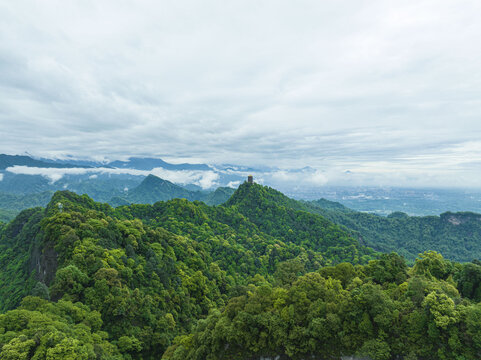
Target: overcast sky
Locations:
point(371, 92)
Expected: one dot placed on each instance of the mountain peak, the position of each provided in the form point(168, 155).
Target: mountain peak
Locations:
point(253, 194)
point(155, 180)
point(65, 200)
point(153, 189)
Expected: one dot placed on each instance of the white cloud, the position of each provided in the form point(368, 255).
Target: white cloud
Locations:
point(329, 84)
point(233, 184)
point(205, 179)
point(53, 174)
point(307, 177)
point(208, 180)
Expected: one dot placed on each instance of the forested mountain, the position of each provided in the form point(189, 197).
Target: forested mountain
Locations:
point(20, 184)
point(148, 272)
point(20, 202)
point(25, 175)
point(113, 191)
point(12, 204)
point(7, 215)
point(259, 276)
point(456, 235)
point(218, 196)
point(153, 189)
point(380, 311)
point(283, 217)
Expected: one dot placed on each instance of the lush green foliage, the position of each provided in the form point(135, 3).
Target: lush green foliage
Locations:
point(152, 271)
point(285, 218)
point(18, 240)
point(456, 235)
point(218, 196)
point(382, 310)
point(40, 329)
point(12, 204)
point(7, 215)
point(258, 276)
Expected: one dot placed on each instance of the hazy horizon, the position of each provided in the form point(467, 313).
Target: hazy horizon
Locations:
point(363, 93)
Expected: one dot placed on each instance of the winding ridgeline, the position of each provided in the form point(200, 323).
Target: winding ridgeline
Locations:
point(260, 276)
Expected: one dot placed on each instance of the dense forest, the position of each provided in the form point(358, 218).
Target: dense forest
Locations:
point(383, 310)
point(18, 202)
point(456, 235)
point(258, 276)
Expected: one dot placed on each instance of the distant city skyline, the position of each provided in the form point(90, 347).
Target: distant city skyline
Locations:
point(363, 93)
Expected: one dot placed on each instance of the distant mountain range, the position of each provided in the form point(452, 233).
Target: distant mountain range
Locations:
point(115, 180)
point(132, 163)
point(21, 160)
point(102, 180)
point(153, 189)
point(32, 191)
point(261, 276)
point(456, 235)
point(152, 163)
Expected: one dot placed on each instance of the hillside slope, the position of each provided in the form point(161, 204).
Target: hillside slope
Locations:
point(456, 235)
point(259, 276)
point(379, 311)
point(280, 216)
point(151, 272)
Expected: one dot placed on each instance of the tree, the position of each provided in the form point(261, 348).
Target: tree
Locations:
point(41, 290)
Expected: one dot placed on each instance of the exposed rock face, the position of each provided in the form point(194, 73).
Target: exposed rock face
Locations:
point(44, 262)
point(454, 220)
point(461, 218)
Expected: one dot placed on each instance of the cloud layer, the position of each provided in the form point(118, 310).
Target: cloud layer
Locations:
point(204, 179)
point(369, 92)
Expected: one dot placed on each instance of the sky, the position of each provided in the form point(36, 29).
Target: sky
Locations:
point(361, 92)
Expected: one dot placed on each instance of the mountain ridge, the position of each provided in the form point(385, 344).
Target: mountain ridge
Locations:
point(151, 163)
point(24, 160)
point(456, 235)
point(153, 189)
point(249, 279)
